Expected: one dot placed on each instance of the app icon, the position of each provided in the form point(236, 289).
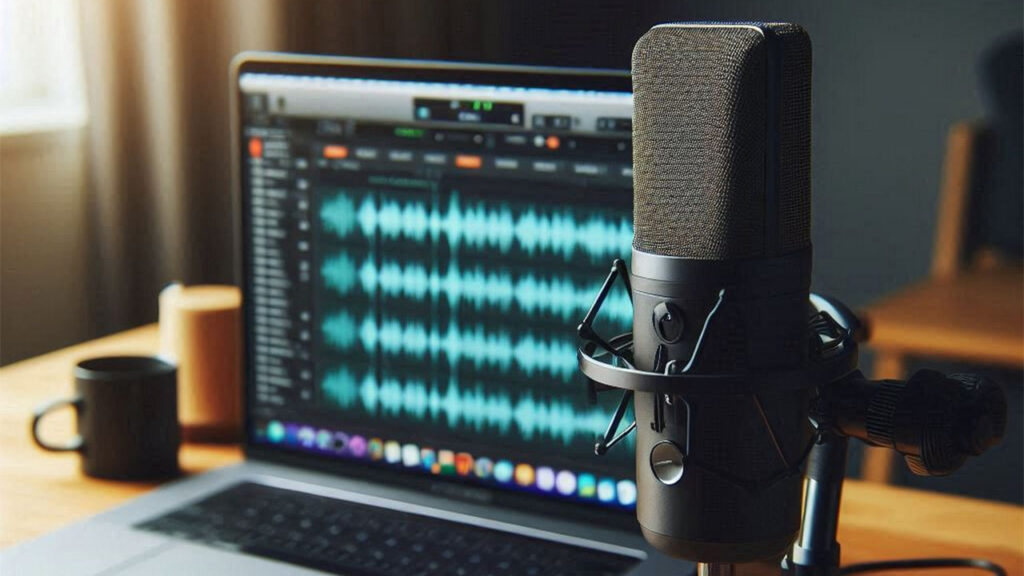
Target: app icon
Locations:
point(392, 452)
point(307, 436)
point(429, 459)
point(545, 479)
point(339, 442)
point(375, 448)
point(411, 455)
point(291, 433)
point(275, 431)
point(565, 483)
point(524, 475)
point(324, 439)
point(463, 463)
point(483, 468)
point(446, 462)
point(503, 471)
point(627, 492)
point(586, 486)
point(606, 490)
point(357, 446)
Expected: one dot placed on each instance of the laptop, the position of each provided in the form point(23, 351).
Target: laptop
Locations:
point(418, 241)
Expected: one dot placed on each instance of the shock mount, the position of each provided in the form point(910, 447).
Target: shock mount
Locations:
point(933, 420)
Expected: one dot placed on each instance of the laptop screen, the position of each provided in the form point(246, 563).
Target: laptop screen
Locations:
point(418, 253)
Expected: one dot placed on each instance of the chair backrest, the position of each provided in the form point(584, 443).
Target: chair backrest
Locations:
point(981, 202)
point(954, 199)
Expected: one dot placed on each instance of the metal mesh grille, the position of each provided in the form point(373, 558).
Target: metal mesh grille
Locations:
point(699, 141)
point(794, 138)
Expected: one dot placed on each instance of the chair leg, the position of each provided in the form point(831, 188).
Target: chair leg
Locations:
point(879, 464)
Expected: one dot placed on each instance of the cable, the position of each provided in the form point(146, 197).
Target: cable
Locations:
point(887, 565)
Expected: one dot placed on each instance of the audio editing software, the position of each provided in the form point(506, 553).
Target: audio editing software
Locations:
point(420, 255)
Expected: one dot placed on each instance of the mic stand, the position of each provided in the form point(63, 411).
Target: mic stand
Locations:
point(933, 420)
point(816, 551)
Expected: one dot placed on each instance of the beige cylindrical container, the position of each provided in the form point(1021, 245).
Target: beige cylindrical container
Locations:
point(200, 330)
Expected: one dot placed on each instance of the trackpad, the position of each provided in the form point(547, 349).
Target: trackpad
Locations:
point(83, 548)
point(194, 560)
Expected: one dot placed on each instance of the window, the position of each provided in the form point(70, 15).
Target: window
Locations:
point(42, 85)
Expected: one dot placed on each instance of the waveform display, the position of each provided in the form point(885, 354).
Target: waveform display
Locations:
point(338, 215)
point(554, 231)
point(453, 312)
point(340, 330)
point(475, 345)
point(552, 295)
point(472, 407)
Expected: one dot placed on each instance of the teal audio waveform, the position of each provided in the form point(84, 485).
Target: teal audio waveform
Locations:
point(472, 407)
point(340, 330)
point(476, 345)
point(529, 229)
point(553, 295)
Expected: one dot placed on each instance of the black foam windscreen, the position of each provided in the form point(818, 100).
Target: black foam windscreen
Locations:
point(721, 141)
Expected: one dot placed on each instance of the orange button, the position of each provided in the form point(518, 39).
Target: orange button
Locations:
point(553, 142)
point(335, 151)
point(255, 147)
point(467, 161)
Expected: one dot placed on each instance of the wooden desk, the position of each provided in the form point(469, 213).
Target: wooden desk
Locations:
point(40, 491)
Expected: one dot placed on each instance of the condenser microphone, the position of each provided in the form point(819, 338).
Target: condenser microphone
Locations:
point(731, 359)
point(720, 277)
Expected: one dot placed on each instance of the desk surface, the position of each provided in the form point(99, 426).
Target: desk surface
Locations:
point(40, 491)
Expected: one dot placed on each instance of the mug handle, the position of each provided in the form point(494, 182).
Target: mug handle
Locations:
point(72, 445)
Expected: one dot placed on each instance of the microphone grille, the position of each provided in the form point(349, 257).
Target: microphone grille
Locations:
point(708, 182)
point(794, 137)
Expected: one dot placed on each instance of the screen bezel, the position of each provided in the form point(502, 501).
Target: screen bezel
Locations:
point(602, 80)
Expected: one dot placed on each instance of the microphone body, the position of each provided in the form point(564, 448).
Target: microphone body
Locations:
point(720, 275)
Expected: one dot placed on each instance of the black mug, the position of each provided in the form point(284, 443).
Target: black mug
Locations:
point(127, 412)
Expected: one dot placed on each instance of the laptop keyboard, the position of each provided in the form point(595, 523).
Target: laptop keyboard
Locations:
point(354, 539)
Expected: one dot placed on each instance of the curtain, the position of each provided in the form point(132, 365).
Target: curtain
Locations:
point(159, 145)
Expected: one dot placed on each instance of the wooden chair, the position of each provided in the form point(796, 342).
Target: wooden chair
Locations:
point(970, 309)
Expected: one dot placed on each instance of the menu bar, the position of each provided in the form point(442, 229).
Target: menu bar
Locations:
point(436, 104)
point(342, 157)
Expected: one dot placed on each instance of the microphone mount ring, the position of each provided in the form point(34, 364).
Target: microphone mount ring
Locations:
point(683, 384)
point(831, 314)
